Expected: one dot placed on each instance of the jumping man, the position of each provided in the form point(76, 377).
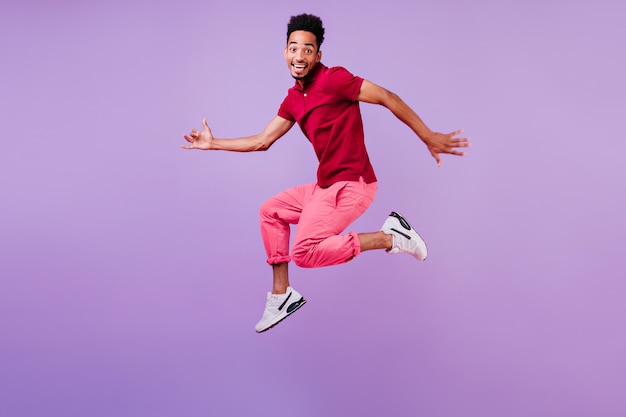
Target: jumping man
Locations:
point(325, 103)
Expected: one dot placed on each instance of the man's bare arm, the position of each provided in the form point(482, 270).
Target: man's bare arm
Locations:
point(204, 139)
point(436, 142)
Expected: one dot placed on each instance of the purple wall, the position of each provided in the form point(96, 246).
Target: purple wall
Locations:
point(132, 272)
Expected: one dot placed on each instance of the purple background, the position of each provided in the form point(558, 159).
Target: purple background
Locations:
point(132, 272)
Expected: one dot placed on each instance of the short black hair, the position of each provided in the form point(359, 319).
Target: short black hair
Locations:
point(307, 22)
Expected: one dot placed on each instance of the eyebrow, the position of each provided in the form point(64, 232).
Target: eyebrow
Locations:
point(306, 44)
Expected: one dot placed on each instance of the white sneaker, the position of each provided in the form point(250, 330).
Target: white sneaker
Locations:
point(405, 238)
point(278, 308)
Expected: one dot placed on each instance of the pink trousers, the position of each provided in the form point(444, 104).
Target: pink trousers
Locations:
point(321, 215)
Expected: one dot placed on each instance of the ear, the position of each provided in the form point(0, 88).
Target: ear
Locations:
point(319, 56)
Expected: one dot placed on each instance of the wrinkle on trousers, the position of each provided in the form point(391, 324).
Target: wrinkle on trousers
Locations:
point(321, 215)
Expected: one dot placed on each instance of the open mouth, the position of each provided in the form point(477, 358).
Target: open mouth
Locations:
point(299, 67)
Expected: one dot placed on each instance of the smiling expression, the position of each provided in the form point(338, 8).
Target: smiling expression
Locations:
point(302, 54)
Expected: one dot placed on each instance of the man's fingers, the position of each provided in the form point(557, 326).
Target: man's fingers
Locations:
point(436, 156)
point(206, 126)
point(461, 143)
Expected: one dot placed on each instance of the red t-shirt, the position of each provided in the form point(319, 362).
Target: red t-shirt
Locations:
point(328, 113)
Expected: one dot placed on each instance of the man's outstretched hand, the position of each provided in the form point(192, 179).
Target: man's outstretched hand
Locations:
point(199, 139)
point(439, 143)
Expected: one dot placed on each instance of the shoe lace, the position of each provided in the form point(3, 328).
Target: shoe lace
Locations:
point(275, 300)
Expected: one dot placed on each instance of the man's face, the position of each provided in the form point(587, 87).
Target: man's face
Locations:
point(302, 54)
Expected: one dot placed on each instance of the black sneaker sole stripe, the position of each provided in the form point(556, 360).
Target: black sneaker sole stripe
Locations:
point(295, 305)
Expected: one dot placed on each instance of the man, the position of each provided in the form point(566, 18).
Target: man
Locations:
point(325, 103)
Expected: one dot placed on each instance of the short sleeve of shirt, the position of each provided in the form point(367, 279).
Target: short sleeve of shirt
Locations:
point(282, 110)
point(345, 84)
